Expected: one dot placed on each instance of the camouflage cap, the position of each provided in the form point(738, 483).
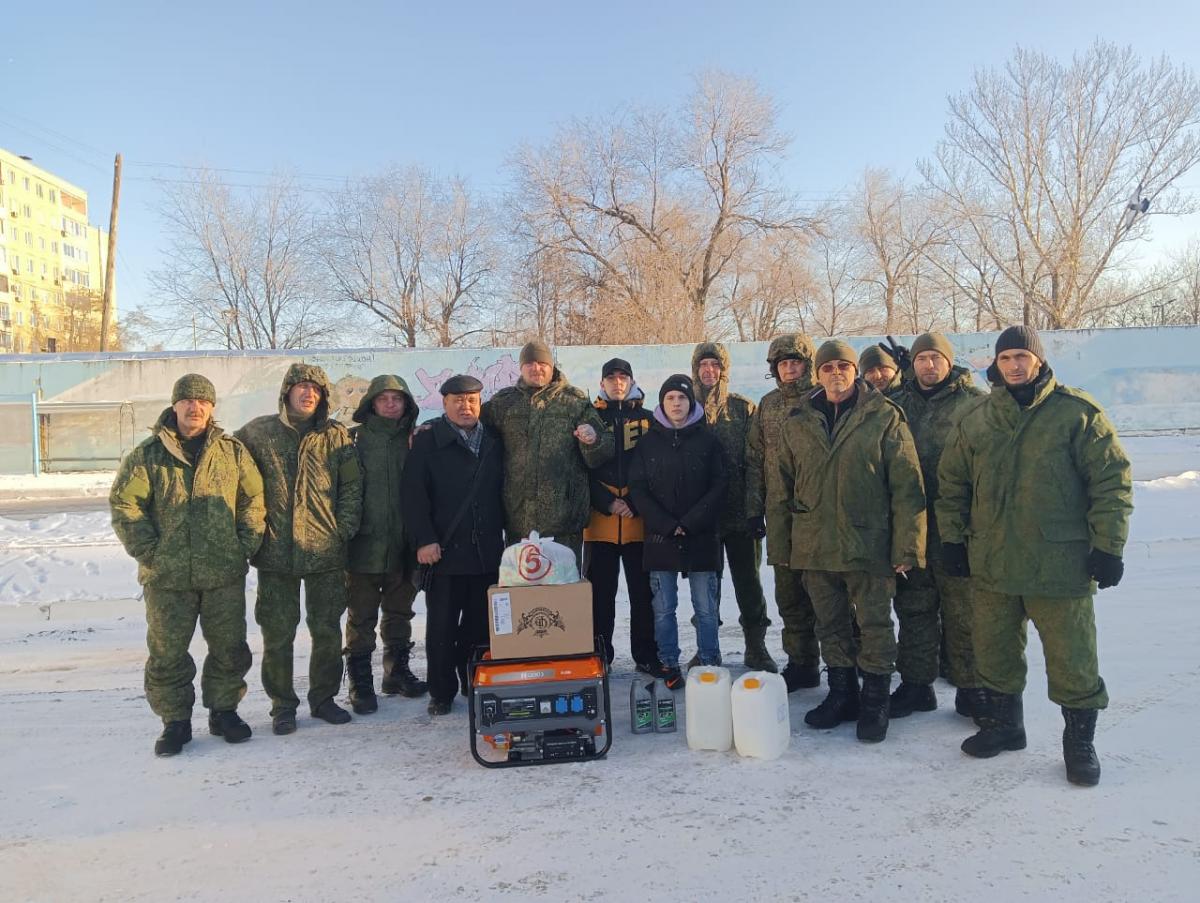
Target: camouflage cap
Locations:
point(795, 345)
point(194, 386)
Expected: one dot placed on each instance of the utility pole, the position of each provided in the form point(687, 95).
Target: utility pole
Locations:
point(111, 264)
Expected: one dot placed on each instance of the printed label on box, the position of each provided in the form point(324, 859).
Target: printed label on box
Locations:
point(502, 620)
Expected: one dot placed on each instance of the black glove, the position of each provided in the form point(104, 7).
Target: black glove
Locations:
point(954, 559)
point(898, 353)
point(756, 526)
point(1107, 570)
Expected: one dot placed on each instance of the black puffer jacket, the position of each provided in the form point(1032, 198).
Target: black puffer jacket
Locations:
point(678, 479)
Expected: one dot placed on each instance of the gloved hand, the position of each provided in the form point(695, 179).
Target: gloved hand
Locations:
point(1107, 570)
point(898, 353)
point(954, 559)
point(756, 526)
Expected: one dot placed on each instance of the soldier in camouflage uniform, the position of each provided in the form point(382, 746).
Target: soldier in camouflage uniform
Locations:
point(187, 503)
point(791, 360)
point(551, 435)
point(1034, 501)
point(853, 479)
point(729, 416)
point(380, 563)
point(313, 494)
point(934, 400)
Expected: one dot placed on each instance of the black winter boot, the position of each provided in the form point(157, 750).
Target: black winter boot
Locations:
point(170, 741)
point(842, 702)
point(1083, 766)
point(800, 677)
point(970, 702)
point(1002, 726)
point(228, 725)
point(397, 678)
point(873, 708)
point(756, 657)
point(362, 683)
point(910, 698)
point(331, 712)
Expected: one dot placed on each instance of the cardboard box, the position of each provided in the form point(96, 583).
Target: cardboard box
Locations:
point(532, 621)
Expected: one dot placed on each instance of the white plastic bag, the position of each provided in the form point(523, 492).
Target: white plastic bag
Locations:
point(535, 561)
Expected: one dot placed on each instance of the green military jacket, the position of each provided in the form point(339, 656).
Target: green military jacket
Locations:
point(380, 546)
point(765, 492)
point(728, 414)
point(312, 485)
point(190, 527)
point(856, 498)
point(1032, 490)
point(545, 466)
point(931, 420)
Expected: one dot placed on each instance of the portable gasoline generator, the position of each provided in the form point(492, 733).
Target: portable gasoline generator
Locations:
point(535, 711)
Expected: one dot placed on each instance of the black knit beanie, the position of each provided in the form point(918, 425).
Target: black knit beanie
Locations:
point(679, 382)
point(1021, 338)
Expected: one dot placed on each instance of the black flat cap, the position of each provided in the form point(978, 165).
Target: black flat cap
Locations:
point(462, 384)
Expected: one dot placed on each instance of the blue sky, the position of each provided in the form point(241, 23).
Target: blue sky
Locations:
point(457, 87)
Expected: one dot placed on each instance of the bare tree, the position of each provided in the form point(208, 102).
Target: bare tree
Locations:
point(414, 250)
point(834, 301)
point(239, 267)
point(650, 211)
point(899, 229)
point(1057, 167)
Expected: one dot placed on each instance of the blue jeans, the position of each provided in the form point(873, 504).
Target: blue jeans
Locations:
point(705, 586)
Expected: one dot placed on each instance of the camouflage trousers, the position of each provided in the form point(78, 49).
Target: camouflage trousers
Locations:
point(839, 601)
point(171, 617)
point(385, 600)
point(919, 599)
point(1067, 628)
point(799, 620)
point(744, 554)
point(277, 611)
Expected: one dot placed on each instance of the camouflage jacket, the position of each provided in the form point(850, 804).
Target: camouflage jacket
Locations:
point(545, 466)
point(931, 420)
point(380, 545)
point(1032, 490)
point(312, 485)
point(728, 414)
point(856, 498)
point(190, 527)
point(765, 492)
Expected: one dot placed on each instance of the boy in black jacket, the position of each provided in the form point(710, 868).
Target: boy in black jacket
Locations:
point(678, 481)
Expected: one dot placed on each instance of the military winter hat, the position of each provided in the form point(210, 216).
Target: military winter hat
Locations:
point(873, 356)
point(679, 382)
point(194, 386)
point(462, 384)
point(537, 351)
point(388, 382)
point(835, 350)
point(616, 365)
point(1021, 338)
point(933, 341)
point(792, 346)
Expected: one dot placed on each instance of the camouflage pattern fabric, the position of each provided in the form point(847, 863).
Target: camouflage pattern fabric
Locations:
point(843, 598)
point(545, 466)
point(189, 527)
point(171, 617)
point(385, 600)
point(920, 599)
point(277, 611)
point(1067, 628)
point(799, 620)
point(728, 414)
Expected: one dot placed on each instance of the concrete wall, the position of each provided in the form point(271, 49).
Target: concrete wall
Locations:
point(1147, 379)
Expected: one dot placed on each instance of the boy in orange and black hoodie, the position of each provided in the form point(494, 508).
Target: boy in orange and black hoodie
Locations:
point(613, 536)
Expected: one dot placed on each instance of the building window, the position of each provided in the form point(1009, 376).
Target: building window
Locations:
point(5, 313)
point(26, 182)
point(53, 196)
point(40, 192)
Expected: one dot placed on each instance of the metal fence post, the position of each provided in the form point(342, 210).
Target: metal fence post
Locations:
point(37, 435)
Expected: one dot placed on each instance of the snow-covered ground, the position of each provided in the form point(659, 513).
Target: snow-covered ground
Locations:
point(393, 807)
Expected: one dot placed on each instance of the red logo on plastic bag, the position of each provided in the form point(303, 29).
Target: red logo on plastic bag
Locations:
point(530, 563)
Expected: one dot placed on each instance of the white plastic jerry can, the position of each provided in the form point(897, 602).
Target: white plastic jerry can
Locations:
point(709, 716)
point(762, 727)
